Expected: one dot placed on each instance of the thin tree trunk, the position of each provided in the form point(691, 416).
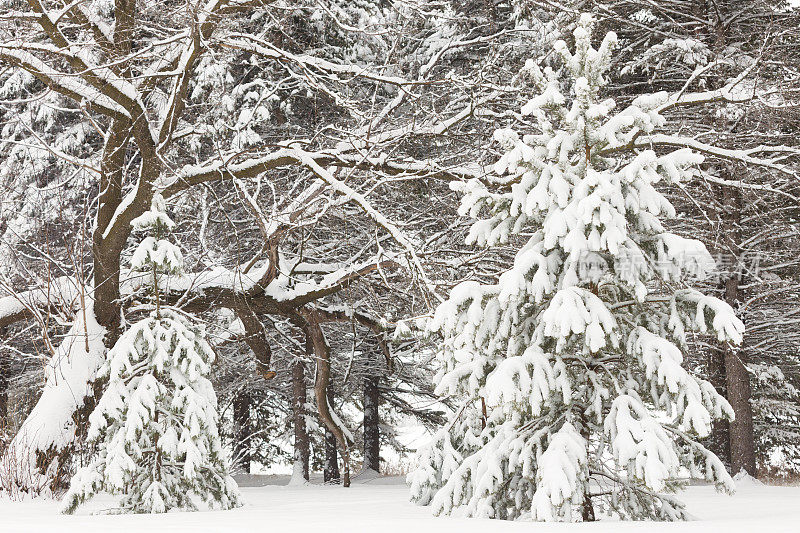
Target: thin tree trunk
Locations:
point(243, 429)
point(331, 470)
point(3, 397)
point(587, 507)
point(4, 370)
point(491, 14)
point(372, 446)
point(301, 444)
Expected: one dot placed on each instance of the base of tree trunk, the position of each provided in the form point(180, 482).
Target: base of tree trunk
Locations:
point(243, 432)
point(301, 441)
point(330, 473)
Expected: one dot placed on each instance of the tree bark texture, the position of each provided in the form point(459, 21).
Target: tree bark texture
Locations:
point(372, 445)
point(330, 472)
point(719, 441)
point(243, 429)
point(301, 443)
point(737, 378)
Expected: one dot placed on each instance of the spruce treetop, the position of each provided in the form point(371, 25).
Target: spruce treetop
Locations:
point(155, 252)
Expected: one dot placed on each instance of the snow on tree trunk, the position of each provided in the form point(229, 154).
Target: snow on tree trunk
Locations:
point(301, 442)
point(372, 444)
point(575, 400)
point(42, 445)
point(106, 249)
point(155, 426)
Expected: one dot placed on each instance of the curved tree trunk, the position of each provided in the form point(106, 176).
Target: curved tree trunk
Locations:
point(3, 399)
point(321, 390)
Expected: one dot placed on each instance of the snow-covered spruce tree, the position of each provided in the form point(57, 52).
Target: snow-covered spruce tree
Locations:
point(575, 400)
point(155, 426)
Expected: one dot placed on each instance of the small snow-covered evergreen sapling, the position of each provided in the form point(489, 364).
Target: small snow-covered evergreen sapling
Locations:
point(575, 400)
point(155, 426)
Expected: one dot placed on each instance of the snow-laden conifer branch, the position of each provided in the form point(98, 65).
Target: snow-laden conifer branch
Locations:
point(768, 157)
point(773, 157)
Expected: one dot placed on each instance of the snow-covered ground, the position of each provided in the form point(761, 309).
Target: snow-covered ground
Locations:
point(381, 506)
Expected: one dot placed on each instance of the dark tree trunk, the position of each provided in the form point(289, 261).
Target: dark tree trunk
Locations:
point(587, 510)
point(4, 371)
point(243, 429)
point(323, 394)
point(330, 473)
point(107, 256)
point(372, 446)
point(587, 507)
point(737, 378)
point(742, 439)
point(719, 442)
point(301, 444)
point(491, 14)
point(256, 339)
point(3, 395)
